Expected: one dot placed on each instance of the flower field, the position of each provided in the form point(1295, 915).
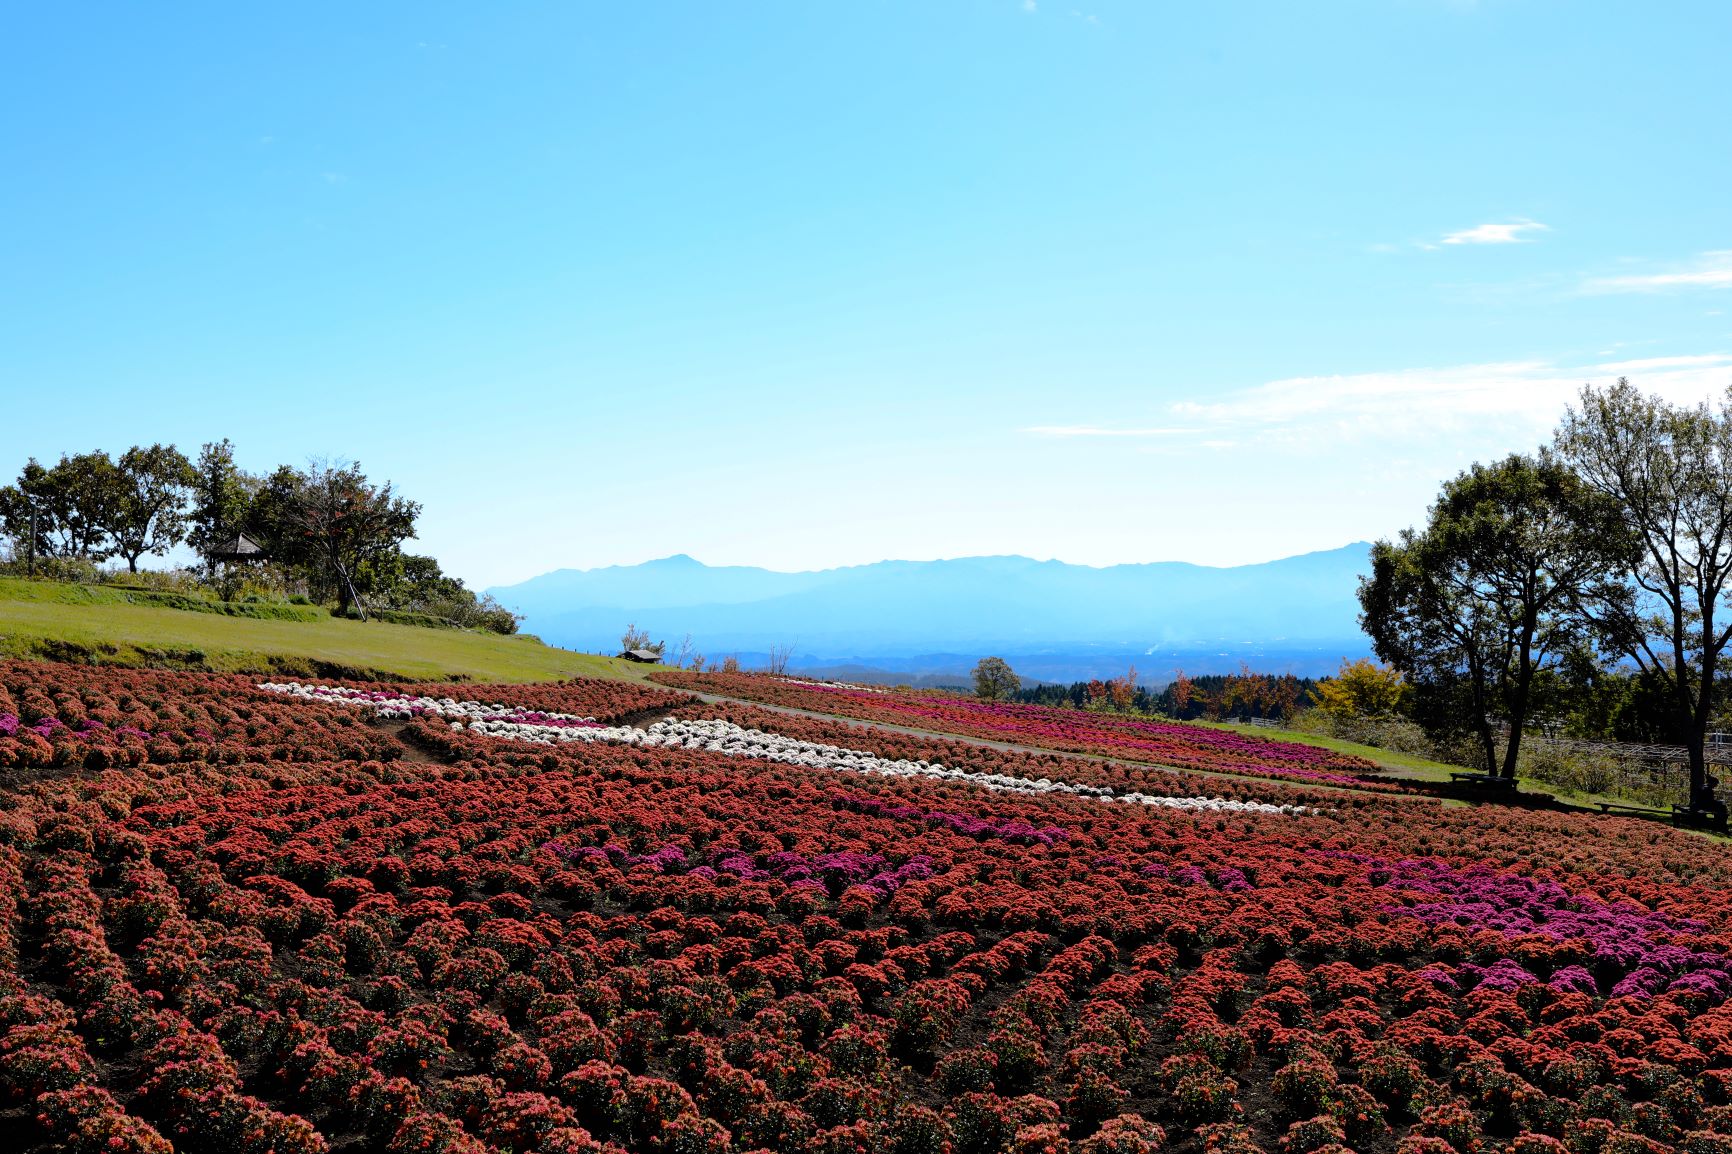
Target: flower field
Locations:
point(89, 718)
point(461, 920)
point(1070, 730)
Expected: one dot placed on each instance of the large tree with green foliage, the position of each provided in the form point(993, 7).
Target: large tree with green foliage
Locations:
point(63, 510)
point(1472, 607)
point(1668, 470)
point(416, 583)
point(222, 496)
point(994, 679)
point(331, 519)
point(147, 509)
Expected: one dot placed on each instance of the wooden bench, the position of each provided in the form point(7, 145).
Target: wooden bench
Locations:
point(1484, 781)
point(1693, 818)
point(1614, 807)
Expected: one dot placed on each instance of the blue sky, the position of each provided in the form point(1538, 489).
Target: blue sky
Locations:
point(807, 284)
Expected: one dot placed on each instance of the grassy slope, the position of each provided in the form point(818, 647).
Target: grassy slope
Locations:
point(39, 619)
point(1401, 764)
point(1406, 765)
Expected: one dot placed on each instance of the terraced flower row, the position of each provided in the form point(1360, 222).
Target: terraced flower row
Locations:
point(398, 706)
point(721, 736)
point(597, 946)
point(77, 717)
point(1176, 744)
point(1110, 778)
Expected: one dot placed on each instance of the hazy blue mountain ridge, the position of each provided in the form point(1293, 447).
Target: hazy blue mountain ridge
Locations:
point(886, 613)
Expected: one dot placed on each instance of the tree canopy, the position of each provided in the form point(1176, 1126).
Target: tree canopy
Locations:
point(1489, 592)
point(994, 680)
point(1667, 472)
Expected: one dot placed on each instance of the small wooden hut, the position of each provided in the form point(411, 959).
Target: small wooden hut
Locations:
point(239, 548)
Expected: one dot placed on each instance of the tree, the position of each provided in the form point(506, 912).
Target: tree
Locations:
point(84, 490)
point(146, 512)
point(222, 496)
point(24, 511)
point(1121, 691)
point(1491, 592)
point(341, 520)
point(63, 511)
point(1361, 688)
point(994, 679)
point(779, 655)
point(1181, 691)
point(633, 638)
point(1668, 469)
point(416, 583)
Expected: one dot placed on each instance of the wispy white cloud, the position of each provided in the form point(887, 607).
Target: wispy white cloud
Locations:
point(1510, 232)
point(1029, 6)
point(1497, 407)
point(1525, 396)
point(1710, 270)
point(1102, 431)
point(1649, 364)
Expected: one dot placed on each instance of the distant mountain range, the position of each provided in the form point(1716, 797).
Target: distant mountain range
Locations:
point(934, 619)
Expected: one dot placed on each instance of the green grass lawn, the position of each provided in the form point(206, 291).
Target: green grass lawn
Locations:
point(1400, 764)
point(44, 619)
point(1413, 768)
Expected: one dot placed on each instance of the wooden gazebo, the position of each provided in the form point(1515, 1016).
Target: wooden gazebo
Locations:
point(239, 548)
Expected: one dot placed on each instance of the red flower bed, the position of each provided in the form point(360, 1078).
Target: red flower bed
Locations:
point(612, 947)
point(1177, 744)
point(83, 717)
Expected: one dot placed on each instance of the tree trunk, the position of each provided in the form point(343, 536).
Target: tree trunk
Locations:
point(1517, 710)
point(1697, 748)
point(343, 603)
point(1512, 749)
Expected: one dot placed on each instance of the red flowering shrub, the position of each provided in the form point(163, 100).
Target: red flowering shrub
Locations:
point(287, 934)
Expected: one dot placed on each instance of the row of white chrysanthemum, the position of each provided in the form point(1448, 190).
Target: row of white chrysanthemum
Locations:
point(735, 741)
point(832, 685)
point(724, 737)
point(400, 706)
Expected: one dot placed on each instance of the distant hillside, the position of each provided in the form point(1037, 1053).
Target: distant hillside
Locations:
point(934, 617)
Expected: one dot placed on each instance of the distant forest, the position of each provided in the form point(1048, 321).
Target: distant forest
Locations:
point(1214, 696)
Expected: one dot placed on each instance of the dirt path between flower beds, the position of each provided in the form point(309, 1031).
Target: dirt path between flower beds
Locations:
point(1014, 747)
point(413, 753)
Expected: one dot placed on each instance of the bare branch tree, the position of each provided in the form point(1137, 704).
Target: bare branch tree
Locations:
point(1669, 468)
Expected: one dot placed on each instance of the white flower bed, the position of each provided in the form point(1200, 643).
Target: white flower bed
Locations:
point(734, 741)
point(401, 706)
point(833, 685)
point(515, 724)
